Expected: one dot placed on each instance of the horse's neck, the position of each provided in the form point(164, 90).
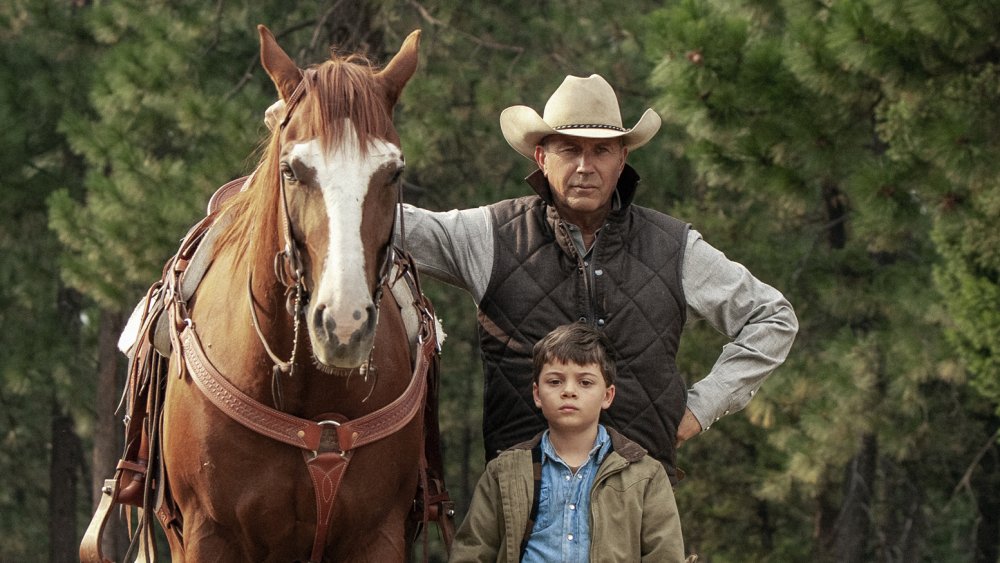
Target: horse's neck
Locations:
point(221, 313)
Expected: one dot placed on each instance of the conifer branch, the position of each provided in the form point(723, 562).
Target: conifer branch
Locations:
point(966, 481)
point(488, 43)
point(255, 58)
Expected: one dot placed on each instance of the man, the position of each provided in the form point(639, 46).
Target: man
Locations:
point(580, 250)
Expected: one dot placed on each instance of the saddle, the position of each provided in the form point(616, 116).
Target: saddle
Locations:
point(156, 328)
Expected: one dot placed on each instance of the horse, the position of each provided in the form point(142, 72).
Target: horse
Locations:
point(313, 458)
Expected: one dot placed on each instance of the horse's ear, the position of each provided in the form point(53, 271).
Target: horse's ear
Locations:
point(279, 66)
point(397, 73)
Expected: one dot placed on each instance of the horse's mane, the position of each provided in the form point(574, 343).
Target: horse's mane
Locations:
point(338, 89)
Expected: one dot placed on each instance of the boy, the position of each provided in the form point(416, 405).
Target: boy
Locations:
point(578, 491)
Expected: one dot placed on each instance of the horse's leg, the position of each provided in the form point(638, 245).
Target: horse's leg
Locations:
point(387, 543)
point(206, 540)
point(187, 420)
point(412, 533)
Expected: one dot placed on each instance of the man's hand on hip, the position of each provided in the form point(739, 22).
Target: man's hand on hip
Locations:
point(689, 427)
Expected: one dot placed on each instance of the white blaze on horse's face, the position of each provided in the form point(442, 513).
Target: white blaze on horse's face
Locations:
point(342, 313)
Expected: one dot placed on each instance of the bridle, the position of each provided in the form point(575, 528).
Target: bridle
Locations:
point(289, 269)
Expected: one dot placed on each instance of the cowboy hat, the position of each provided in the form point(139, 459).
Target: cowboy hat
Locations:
point(582, 107)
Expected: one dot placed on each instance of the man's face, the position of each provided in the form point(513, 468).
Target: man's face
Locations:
point(572, 396)
point(583, 174)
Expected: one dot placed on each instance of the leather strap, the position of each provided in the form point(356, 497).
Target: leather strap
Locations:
point(326, 470)
point(300, 432)
point(327, 445)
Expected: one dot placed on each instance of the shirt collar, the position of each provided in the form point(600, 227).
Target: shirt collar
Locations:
point(597, 453)
point(577, 236)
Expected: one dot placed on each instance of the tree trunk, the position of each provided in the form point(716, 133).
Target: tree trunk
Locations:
point(823, 524)
point(108, 436)
point(64, 473)
point(852, 530)
point(986, 483)
point(347, 27)
point(902, 536)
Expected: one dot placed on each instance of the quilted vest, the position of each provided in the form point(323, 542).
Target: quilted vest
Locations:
point(635, 296)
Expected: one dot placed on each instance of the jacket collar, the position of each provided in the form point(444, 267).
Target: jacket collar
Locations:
point(631, 451)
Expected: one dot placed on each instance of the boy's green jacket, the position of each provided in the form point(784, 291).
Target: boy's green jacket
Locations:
point(633, 513)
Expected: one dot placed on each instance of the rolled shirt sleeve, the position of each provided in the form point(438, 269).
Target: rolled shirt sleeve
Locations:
point(756, 317)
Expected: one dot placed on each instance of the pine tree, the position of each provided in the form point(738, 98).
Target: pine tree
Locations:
point(46, 336)
point(783, 107)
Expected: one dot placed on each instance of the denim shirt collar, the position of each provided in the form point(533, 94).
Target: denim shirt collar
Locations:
point(602, 445)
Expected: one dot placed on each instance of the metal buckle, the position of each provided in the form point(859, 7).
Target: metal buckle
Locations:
point(334, 424)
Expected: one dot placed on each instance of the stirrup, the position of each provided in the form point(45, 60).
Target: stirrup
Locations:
point(91, 550)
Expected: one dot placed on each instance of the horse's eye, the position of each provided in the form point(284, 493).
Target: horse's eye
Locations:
point(396, 176)
point(287, 174)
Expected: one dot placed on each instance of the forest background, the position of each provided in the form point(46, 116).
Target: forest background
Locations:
point(846, 151)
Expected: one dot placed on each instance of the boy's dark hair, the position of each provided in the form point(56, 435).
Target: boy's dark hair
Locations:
point(576, 343)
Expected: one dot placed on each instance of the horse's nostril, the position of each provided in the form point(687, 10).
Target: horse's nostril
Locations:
point(324, 321)
point(366, 316)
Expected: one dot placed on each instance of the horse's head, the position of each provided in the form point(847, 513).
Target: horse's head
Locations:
point(339, 160)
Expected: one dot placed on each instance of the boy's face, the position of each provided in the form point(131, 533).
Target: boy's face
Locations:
point(572, 396)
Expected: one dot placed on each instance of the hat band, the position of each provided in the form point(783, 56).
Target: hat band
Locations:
point(590, 126)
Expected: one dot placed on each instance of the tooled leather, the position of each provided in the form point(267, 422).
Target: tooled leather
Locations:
point(241, 408)
point(296, 431)
point(326, 471)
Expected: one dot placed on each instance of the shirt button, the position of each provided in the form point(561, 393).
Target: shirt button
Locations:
point(567, 477)
point(600, 322)
point(569, 537)
point(598, 272)
point(572, 507)
point(578, 476)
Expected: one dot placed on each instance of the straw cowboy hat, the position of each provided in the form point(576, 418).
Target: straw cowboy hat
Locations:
point(582, 107)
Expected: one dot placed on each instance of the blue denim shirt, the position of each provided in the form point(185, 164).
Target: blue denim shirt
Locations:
point(562, 527)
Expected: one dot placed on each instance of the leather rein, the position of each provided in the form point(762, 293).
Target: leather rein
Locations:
point(329, 441)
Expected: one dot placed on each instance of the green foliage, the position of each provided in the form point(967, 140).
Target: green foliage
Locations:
point(45, 343)
point(846, 152)
point(164, 127)
point(834, 133)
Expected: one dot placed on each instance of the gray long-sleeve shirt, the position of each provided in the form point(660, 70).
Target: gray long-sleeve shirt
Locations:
point(456, 247)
